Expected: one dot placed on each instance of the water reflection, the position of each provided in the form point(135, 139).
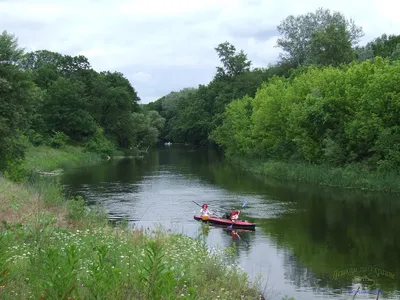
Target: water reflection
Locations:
point(313, 242)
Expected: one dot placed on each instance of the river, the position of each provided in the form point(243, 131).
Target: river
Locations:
point(310, 242)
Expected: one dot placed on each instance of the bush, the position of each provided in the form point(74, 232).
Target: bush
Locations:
point(15, 171)
point(99, 144)
point(35, 138)
point(58, 140)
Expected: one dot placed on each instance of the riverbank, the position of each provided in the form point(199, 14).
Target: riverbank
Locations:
point(350, 177)
point(47, 159)
point(53, 247)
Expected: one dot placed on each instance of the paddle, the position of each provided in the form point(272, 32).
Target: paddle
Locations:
point(196, 203)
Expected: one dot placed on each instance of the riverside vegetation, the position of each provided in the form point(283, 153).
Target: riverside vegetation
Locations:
point(56, 249)
point(326, 113)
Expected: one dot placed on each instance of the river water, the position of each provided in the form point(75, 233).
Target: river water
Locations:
point(310, 242)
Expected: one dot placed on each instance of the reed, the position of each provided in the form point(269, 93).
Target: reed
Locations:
point(356, 176)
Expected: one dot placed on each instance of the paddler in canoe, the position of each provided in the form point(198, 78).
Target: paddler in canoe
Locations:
point(204, 212)
point(233, 215)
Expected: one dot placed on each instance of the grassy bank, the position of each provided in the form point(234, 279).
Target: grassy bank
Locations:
point(45, 159)
point(56, 248)
point(352, 176)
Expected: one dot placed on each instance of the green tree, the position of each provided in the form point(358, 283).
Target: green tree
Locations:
point(384, 46)
point(233, 134)
point(17, 93)
point(331, 46)
point(297, 33)
point(116, 116)
point(117, 79)
point(10, 52)
point(147, 128)
point(66, 110)
point(233, 63)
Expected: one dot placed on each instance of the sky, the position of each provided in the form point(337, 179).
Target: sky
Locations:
point(163, 46)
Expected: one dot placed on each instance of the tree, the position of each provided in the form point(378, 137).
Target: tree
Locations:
point(147, 128)
point(17, 93)
point(233, 64)
point(363, 53)
point(385, 45)
point(66, 110)
point(117, 79)
point(396, 53)
point(298, 32)
point(331, 46)
point(41, 58)
point(10, 52)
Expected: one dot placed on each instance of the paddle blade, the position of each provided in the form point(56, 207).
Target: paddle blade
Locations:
point(230, 226)
point(244, 204)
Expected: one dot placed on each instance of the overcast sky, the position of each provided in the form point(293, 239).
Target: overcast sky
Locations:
point(166, 45)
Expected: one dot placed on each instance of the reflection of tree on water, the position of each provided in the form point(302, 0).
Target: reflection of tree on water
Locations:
point(297, 273)
point(328, 237)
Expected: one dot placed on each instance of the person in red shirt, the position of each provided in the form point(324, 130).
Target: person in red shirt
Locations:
point(234, 215)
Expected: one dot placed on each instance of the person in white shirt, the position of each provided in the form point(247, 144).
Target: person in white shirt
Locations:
point(204, 210)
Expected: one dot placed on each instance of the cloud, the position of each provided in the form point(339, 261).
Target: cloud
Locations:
point(141, 77)
point(162, 46)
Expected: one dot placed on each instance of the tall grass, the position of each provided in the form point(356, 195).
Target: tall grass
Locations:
point(351, 176)
point(44, 158)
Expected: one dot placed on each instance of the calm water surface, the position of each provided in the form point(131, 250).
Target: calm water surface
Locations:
point(310, 242)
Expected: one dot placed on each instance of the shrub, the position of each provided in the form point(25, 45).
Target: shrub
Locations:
point(99, 143)
point(35, 138)
point(58, 140)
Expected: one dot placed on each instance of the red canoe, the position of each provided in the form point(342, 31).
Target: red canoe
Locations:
point(226, 222)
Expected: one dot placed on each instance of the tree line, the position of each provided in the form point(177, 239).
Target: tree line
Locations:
point(54, 99)
point(327, 99)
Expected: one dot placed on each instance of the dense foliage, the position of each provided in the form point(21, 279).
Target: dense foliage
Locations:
point(332, 115)
point(327, 101)
point(50, 98)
